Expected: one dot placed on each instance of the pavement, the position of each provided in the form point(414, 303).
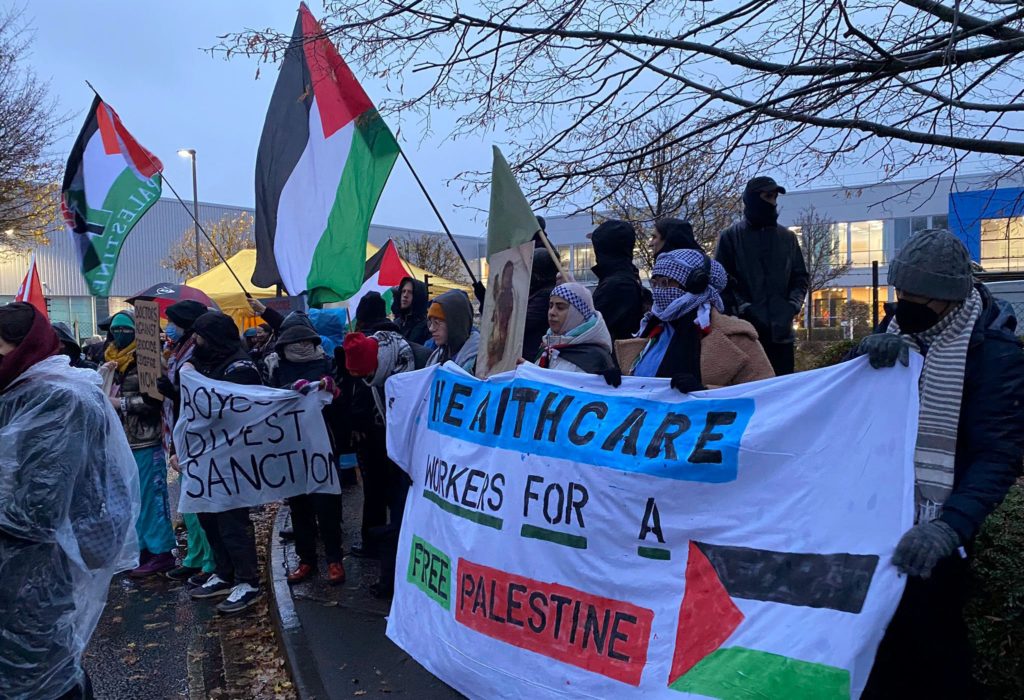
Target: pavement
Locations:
point(333, 636)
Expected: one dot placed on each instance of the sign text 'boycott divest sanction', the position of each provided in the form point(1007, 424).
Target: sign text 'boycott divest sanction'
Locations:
point(242, 445)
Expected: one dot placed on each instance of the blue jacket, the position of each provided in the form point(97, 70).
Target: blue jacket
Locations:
point(990, 440)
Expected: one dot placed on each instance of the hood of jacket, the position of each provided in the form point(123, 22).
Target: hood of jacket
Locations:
point(544, 271)
point(614, 241)
point(458, 314)
point(223, 345)
point(419, 300)
point(677, 234)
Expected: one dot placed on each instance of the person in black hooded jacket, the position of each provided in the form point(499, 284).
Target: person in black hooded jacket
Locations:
point(767, 275)
point(618, 296)
point(542, 281)
point(219, 355)
point(71, 348)
point(409, 308)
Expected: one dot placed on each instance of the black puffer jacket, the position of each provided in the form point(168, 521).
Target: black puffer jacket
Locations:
point(990, 438)
point(542, 281)
point(618, 295)
point(767, 277)
point(412, 323)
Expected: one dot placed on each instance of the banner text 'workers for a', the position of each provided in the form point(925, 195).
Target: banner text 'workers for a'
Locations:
point(564, 536)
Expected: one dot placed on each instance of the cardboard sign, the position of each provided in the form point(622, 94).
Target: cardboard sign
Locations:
point(241, 445)
point(148, 355)
point(503, 321)
point(563, 537)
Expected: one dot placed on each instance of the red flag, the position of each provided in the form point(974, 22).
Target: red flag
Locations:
point(31, 289)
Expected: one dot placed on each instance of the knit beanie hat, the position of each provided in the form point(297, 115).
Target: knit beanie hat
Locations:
point(436, 311)
point(361, 354)
point(123, 320)
point(933, 264)
point(184, 313)
point(371, 308)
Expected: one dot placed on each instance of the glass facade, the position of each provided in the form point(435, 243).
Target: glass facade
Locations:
point(866, 243)
point(1002, 244)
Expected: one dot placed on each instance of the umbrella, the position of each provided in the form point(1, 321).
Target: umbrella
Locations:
point(167, 293)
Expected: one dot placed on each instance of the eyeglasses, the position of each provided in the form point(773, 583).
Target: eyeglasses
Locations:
point(433, 323)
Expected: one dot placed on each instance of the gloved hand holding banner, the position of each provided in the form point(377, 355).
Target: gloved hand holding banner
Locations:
point(561, 539)
point(241, 445)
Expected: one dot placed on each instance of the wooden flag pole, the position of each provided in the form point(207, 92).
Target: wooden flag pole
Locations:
point(566, 276)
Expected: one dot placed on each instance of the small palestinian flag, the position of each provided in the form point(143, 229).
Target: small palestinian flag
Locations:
point(324, 157)
point(723, 627)
point(109, 183)
point(384, 271)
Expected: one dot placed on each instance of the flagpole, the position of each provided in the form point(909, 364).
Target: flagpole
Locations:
point(191, 215)
point(437, 213)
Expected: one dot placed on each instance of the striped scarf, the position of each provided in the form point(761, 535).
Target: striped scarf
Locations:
point(941, 385)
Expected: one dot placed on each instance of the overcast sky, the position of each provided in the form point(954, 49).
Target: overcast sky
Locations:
point(146, 60)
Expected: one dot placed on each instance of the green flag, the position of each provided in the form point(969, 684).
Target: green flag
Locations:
point(511, 221)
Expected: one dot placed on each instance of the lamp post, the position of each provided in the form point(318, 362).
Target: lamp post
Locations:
point(190, 153)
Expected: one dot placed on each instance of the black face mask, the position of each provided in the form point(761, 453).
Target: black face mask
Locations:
point(914, 317)
point(758, 211)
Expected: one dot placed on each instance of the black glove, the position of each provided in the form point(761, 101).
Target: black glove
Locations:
point(686, 383)
point(151, 402)
point(166, 387)
point(479, 291)
point(884, 349)
point(923, 546)
point(613, 376)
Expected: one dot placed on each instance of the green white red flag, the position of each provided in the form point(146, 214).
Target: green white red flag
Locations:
point(31, 289)
point(324, 157)
point(110, 181)
point(384, 271)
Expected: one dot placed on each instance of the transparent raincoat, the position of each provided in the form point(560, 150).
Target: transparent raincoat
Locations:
point(69, 497)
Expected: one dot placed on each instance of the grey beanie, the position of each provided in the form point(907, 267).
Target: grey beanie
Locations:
point(933, 264)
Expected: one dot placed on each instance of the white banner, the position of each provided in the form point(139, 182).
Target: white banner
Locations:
point(241, 445)
point(562, 537)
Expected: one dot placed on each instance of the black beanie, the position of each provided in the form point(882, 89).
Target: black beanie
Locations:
point(371, 308)
point(184, 313)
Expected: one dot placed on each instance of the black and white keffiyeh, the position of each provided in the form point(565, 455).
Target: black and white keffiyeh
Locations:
point(677, 265)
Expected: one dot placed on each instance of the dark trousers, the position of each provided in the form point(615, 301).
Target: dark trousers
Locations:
point(397, 491)
point(313, 514)
point(781, 356)
point(233, 543)
point(372, 456)
point(925, 652)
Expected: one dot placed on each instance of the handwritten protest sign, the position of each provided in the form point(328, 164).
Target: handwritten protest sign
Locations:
point(244, 445)
point(561, 537)
point(147, 348)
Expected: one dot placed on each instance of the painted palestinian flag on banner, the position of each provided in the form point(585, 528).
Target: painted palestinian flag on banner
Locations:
point(719, 632)
point(384, 271)
point(324, 157)
point(110, 181)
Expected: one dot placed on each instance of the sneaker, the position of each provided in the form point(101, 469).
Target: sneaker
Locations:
point(215, 587)
point(157, 564)
point(335, 573)
point(197, 580)
point(182, 573)
point(301, 573)
point(243, 596)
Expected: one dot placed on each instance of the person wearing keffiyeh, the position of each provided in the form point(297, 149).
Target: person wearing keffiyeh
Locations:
point(577, 339)
point(970, 441)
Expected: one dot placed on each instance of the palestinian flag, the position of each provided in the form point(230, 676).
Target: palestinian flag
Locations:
point(31, 289)
point(723, 621)
point(324, 157)
point(109, 183)
point(384, 271)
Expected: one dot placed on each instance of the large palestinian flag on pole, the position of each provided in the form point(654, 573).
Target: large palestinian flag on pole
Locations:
point(109, 183)
point(324, 157)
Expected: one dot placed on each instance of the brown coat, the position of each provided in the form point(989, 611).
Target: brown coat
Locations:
point(729, 355)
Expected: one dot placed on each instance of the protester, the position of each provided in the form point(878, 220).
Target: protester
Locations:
point(767, 276)
point(68, 502)
point(219, 355)
point(618, 296)
point(578, 339)
point(672, 234)
point(409, 308)
point(198, 564)
point(302, 360)
point(970, 440)
point(542, 281)
point(450, 320)
point(260, 345)
point(71, 348)
point(140, 418)
point(686, 337)
point(371, 314)
point(374, 359)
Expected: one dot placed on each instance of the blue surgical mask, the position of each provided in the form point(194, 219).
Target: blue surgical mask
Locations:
point(173, 333)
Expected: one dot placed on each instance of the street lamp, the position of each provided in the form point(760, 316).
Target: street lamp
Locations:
point(191, 154)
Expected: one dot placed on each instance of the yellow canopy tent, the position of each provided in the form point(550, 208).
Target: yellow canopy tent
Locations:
point(220, 286)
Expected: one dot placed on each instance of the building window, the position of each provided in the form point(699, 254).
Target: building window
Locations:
point(582, 258)
point(1002, 244)
point(904, 229)
point(866, 243)
point(827, 307)
point(863, 295)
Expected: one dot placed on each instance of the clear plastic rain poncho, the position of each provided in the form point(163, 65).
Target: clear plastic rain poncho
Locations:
point(69, 497)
